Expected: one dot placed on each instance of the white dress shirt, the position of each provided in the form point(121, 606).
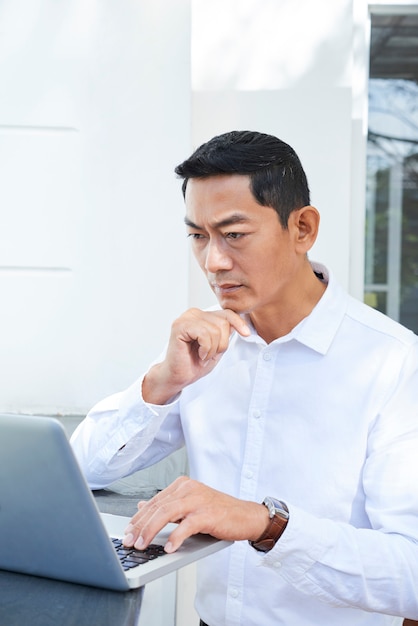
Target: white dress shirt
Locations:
point(325, 419)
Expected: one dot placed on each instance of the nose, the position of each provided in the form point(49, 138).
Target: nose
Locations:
point(216, 257)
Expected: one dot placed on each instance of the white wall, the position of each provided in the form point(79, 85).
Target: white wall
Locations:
point(94, 115)
point(99, 101)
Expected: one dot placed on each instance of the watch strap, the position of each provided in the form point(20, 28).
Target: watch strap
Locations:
point(273, 532)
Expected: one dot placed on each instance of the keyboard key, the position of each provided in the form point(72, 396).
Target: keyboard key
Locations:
point(130, 557)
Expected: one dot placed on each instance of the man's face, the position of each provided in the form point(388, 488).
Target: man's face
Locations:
point(248, 258)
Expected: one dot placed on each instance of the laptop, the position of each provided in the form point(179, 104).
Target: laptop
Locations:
point(50, 525)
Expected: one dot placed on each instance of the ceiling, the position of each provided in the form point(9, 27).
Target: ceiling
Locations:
point(394, 47)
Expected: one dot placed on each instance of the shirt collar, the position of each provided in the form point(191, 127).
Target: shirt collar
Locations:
point(318, 330)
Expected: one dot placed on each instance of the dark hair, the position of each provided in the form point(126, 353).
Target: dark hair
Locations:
point(277, 178)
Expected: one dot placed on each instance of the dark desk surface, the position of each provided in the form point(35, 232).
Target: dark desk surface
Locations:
point(32, 601)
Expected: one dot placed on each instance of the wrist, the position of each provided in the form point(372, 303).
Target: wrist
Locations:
point(156, 389)
point(260, 520)
point(278, 516)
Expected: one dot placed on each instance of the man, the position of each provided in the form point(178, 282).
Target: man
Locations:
point(291, 393)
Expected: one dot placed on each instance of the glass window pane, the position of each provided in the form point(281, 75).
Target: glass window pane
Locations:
point(392, 169)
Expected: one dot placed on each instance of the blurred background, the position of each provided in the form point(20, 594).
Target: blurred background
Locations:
point(100, 99)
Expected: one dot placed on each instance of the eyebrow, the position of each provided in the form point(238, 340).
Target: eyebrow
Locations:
point(236, 218)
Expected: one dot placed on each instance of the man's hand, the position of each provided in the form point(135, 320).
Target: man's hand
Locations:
point(197, 509)
point(197, 341)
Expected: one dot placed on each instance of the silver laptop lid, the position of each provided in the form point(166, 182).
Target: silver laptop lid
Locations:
point(49, 522)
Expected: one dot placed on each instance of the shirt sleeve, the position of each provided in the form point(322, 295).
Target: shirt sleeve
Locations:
point(376, 568)
point(123, 434)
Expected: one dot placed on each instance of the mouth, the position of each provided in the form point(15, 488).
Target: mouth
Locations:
point(224, 289)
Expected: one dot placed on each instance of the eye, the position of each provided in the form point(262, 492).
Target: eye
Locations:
point(234, 235)
point(195, 236)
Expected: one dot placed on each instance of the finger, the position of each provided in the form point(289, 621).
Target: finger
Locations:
point(211, 332)
point(209, 338)
point(237, 323)
point(153, 515)
point(152, 526)
point(184, 530)
point(218, 335)
point(133, 529)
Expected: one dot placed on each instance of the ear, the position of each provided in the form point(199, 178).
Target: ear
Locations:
point(305, 225)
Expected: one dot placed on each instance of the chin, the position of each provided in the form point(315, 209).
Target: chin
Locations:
point(233, 305)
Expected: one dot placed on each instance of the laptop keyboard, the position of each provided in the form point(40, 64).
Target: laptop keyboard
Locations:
point(129, 557)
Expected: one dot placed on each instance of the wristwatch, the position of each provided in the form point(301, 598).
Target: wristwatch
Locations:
point(279, 515)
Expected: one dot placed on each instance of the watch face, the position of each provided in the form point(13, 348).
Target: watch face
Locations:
point(269, 503)
point(276, 507)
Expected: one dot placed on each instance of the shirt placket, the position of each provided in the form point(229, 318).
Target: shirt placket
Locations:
point(249, 484)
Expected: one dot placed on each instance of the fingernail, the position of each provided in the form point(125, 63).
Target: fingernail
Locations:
point(139, 543)
point(129, 528)
point(168, 547)
point(128, 540)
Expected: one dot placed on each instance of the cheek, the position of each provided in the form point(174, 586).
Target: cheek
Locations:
point(197, 251)
point(199, 255)
point(269, 270)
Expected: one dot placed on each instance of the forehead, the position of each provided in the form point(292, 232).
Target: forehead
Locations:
point(218, 186)
point(217, 197)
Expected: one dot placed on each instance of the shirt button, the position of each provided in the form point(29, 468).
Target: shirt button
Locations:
point(234, 593)
point(249, 474)
point(257, 414)
point(277, 564)
point(267, 356)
